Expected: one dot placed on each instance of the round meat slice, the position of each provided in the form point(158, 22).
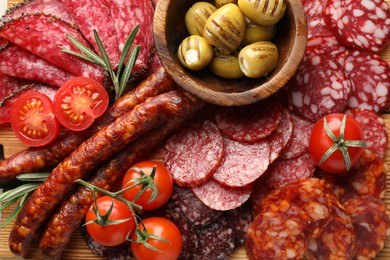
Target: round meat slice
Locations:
point(370, 78)
point(281, 136)
point(366, 178)
point(220, 197)
point(194, 153)
point(374, 130)
point(249, 123)
point(242, 163)
point(336, 239)
point(359, 24)
point(319, 87)
point(371, 224)
point(299, 142)
point(283, 172)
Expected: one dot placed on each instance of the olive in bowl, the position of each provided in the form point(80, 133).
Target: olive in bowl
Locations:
point(290, 40)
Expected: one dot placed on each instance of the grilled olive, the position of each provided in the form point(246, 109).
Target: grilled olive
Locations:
point(258, 59)
point(226, 65)
point(256, 32)
point(196, 17)
point(194, 52)
point(220, 3)
point(264, 12)
point(225, 28)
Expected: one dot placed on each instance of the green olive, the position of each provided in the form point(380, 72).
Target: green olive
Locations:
point(226, 65)
point(258, 59)
point(225, 28)
point(194, 52)
point(219, 3)
point(264, 12)
point(196, 17)
point(255, 33)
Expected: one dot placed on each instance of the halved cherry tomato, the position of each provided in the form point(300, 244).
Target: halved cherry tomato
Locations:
point(169, 249)
point(113, 234)
point(78, 102)
point(32, 119)
point(347, 143)
point(162, 179)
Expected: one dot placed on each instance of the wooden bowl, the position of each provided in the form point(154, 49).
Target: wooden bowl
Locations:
point(170, 30)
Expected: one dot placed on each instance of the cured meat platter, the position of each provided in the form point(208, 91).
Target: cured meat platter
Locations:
point(78, 248)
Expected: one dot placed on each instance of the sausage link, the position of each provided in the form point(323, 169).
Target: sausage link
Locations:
point(94, 151)
point(46, 157)
point(70, 215)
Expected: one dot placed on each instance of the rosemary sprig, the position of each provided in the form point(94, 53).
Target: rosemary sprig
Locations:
point(122, 75)
point(20, 194)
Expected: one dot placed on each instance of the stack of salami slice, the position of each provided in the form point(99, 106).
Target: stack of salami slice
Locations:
point(33, 32)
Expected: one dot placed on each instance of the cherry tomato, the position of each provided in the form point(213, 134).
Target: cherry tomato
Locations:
point(320, 142)
point(113, 234)
point(161, 227)
point(162, 179)
point(32, 119)
point(79, 101)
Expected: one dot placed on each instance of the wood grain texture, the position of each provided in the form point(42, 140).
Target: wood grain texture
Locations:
point(77, 248)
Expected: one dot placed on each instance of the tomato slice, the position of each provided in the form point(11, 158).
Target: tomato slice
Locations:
point(78, 102)
point(33, 120)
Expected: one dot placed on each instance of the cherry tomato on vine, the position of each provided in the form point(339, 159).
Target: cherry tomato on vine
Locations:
point(32, 119)
point(103, 232)
point(168, 249)
point(336, 143)
point(79, 101)
point(142, 173)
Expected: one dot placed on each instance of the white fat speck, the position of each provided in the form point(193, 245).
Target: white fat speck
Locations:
point(363, 40)
point(349, 66)
point(368, 4)
point(357, 12)
point(366, 225)
point(380, 13)
point(316, 60)
point(291, 253)
point(381, 90)
point(328, 103)
point(379, 33)
point(345, 20)
point(337, 85)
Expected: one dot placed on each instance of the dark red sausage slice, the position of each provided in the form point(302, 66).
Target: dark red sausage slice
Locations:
point(193, 154)
point(242, 163)
point(359, 24)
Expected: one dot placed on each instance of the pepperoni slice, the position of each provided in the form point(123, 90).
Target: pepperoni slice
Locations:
point(299, 142)
point(371, 224)
point(193, 154)
point(359, 24)
point(249, 123)
point(283, 172)
point(281, 137)
point(20, 63)
point(220, 197)
point(243, 163)
point(374, 130)
point(319, 87)
point(370, 78)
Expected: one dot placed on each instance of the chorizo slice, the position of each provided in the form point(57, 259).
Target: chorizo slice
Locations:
point(46, 157)
point(94, 151)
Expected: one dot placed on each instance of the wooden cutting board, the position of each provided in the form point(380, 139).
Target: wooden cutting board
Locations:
point(77, 248)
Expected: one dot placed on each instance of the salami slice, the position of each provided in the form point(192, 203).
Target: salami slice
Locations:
point(281, 136)
point(319, 87)
point(374, 130)
point(193, 154)
point(220, 197)
point(30, 67)
point(359, 24)
point(95, 15)
point(366, 178)
point(50, 7)
point(126, 14)
point(371, 224)
point(299, 142)
point(337, 238)
point(370, 77)
point(249, 123)
point(315, 21)
point(21, 32)
point(283, 172)
point(325, 44)
point(242, 163)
